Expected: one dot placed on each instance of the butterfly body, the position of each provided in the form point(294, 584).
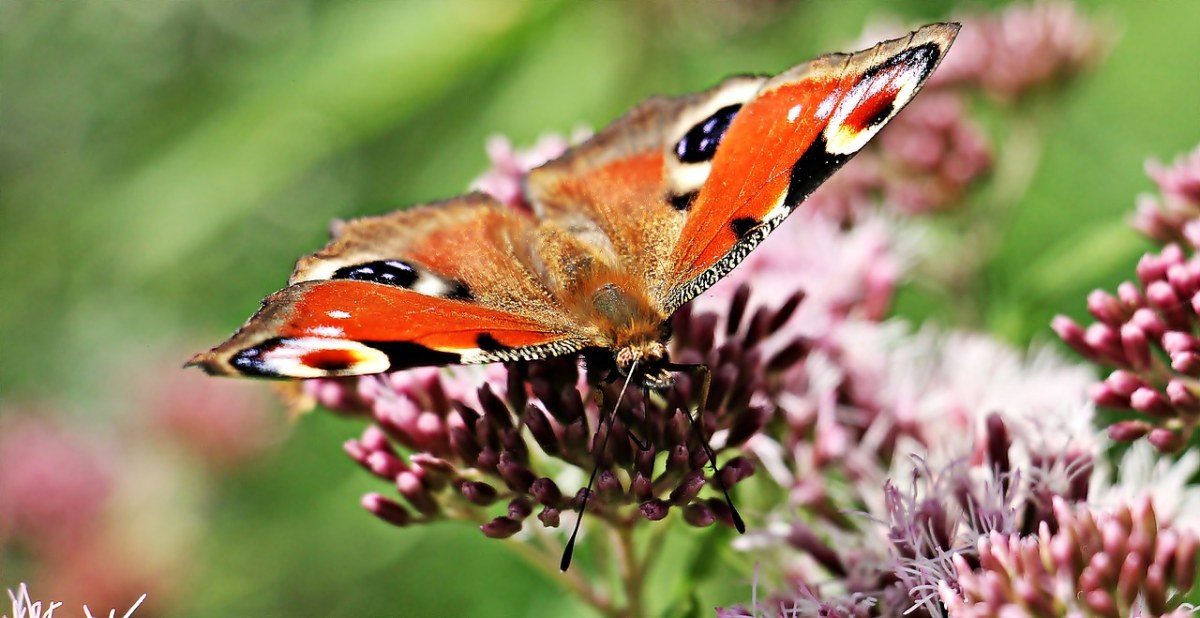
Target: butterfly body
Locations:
point(620, 232)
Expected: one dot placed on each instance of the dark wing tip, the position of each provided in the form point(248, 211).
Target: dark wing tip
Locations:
point(207, 362)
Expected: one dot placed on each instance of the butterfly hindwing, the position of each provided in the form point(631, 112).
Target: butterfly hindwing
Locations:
point(623, 191)
point(798, 128)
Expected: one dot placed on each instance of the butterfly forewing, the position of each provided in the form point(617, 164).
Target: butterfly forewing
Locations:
point(454, 282)
point(799, 128)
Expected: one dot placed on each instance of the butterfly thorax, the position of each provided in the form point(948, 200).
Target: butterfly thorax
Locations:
point(629, 324)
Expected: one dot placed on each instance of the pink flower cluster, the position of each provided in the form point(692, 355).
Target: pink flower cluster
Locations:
point(1119, 563)
point(923, 161)
point(72, 498)
point(1147, 331)
point(1011, 53)
point(1175, 216)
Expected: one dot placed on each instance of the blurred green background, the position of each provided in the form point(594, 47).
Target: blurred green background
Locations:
point(162, 164)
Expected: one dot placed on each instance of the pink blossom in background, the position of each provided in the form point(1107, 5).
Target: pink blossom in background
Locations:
point(53, 481)
point(931, 154)
point(1172, 216)
point(1022, 47)
point(509, 166)
point(1180, 181)
point(843, 271)
point(943, 385)
point(99, 573)
point(924, 161)
point(221, 423)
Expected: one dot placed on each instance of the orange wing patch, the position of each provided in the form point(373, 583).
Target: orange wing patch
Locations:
point(344, 327)
point(749, 175)
point(801, 127)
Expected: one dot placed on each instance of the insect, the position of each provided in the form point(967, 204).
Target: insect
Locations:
point(627, 227)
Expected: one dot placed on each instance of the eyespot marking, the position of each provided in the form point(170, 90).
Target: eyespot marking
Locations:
point(879, 94)
point(386, 272)
point(699, 144)
point(330, 360)
point(404, 275)
point(310, 357)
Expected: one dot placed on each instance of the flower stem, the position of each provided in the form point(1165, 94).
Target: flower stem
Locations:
point(633, 573)
point(543, 557)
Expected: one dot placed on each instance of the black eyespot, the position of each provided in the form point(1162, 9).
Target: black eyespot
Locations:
point(387, 272)
point(251, 362)
point(700, 143)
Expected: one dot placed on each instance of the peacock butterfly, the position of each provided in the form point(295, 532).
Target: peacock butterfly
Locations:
point(626, 227)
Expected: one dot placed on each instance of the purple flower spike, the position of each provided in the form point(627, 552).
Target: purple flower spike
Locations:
point(1118, 563)
point(386, 509)
point(501, 528)
point(1148, 332)
point(510, 435)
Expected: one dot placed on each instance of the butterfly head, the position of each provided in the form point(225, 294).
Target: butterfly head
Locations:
point(648, 362)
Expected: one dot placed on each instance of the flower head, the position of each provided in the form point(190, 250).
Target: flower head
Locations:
point(519, 444)
point(221, 425)
point(1147, 333)
point(1172, 218)
point(1022, 48)
point(1085, 563)
point(53, 483)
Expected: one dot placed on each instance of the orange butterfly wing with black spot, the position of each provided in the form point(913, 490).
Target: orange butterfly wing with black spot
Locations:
point(799, 128)
point(440, 284)
point(664, 201)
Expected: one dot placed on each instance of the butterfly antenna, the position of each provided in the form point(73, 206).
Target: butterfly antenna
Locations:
point(643, 445)
point(705, 383)
point(587, 493)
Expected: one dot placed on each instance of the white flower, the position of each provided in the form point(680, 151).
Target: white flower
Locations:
point(1143, 471)
point(946, 384)
point(23, 606)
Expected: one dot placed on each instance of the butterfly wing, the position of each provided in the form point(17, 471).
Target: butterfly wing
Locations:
point(668, 198)
point(439, 284)
point(774, 150)
point(679, 190)
point(622, 192)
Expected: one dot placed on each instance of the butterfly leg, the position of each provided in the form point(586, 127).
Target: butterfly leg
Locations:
point(642, 445)
point(705, 384)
